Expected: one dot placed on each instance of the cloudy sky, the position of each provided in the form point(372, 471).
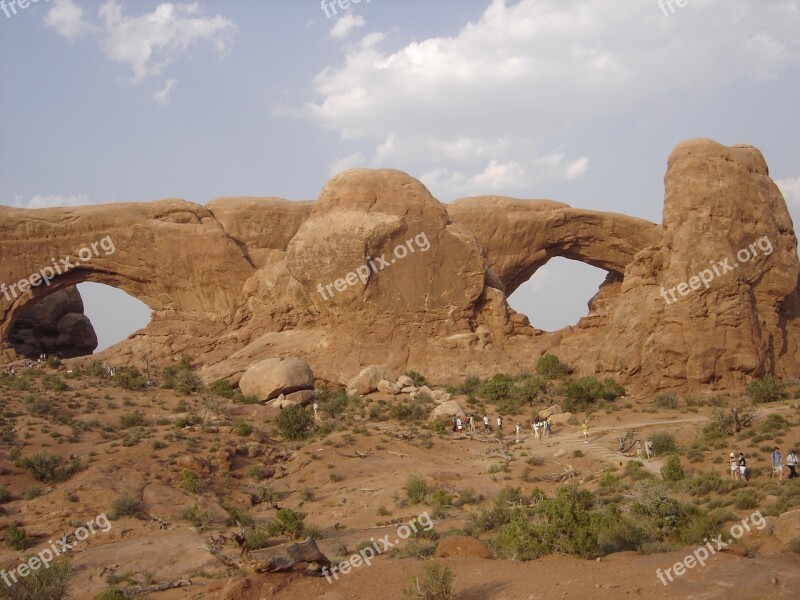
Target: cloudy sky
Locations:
point(579, 101)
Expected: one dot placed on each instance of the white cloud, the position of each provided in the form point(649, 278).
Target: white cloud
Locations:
point(347, 162)
point(489, 105)
point(49, 201)
point(164, 95)
point(147, 44)
point(67, 19)
point(790, 188)
point(346, 24)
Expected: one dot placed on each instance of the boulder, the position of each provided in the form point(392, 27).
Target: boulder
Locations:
point(409, 389)
point(787, 526)
point(440, 396)
point(462, 546)
point(387, 387)
point(552, 410)
point(367, 380)
point(405, 381)
point(301, 398)
point(448, 410)
point(560, 418)
point(269, 378)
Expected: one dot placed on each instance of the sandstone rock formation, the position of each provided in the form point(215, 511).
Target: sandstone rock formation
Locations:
point(272, 377)
point(55, 325)
point(378, 270)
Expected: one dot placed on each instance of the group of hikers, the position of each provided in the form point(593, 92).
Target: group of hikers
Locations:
point(540, 426)
point(740, 471)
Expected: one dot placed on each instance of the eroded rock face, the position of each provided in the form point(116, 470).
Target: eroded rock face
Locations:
point(56, 325)
point(269, 378)
point(377, 270)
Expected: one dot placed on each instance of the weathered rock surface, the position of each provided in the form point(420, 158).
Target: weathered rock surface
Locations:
point(55, 325)
point(462, 545)
point(367, 380)
point(378, 269)
point(448, 410)
point(267, 379)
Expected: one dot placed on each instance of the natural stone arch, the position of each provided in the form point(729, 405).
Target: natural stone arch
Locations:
point(520, 236)
point(172, 255)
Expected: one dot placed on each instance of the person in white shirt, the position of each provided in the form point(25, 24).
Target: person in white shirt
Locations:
point(791, 462)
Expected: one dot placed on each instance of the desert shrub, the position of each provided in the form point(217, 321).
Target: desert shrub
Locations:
point(42, 584)
point(128, 378)
point(48, 467)
point(416, 487)
point(294, 422)
point(243, 428)
point(794, 545)
point(731, 420)
point(112, 593)
point(182, 379)
point(695, 455)
point(705, 483)
point(222, 387)
point(774, 424)
point(636, 471)
point(660, 513)
point(54, 383)
point(189, 481)
point(695, 527)
point(673, 471)
point(765, 389)
point(38, 406)
point(338, 405)
point(53, 361)
point(663, 443)
point(96, 369)
point(530, 388)
point(549, 367)
point(616, 534)
point(745, 499)
point(418, 379)
point(5, 495)
point(198, 518)
point(470, 386)
point(125, 506)
point(665, 401)
point(579, 393)
point(288, 522)
point(15, 537)
point(437, 583)
point(501, 391)
point(256, 538)
point(410, 410)
point(518, 539)
point(132, 419)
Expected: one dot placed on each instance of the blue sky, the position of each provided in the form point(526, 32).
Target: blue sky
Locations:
point(580, 101)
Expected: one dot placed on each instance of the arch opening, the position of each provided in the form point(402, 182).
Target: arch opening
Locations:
point(557, 295)
point(114, 314)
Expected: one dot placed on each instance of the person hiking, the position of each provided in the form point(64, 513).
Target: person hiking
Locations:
point(648, 448)
point(471, 423)
point(547, 426)
point(777, 464)
point(639, 450)
point(517, 429)
point(734, 466)
point(536, 427)
point(743, 472)
point(459, 425)
point(500, 423)
point(485, 423)
point(791, 462)
point(585, 432)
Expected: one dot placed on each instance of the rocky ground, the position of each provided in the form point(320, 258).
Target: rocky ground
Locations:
point(175, 472)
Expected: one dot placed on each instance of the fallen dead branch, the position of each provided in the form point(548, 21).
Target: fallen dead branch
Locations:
point(306, 552)
point(400, 454)
point(357, 454)
point(160, 587)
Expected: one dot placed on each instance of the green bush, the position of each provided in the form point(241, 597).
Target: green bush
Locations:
point(774, 424)
point(663, 443)
point(665, 401)
point(5, 495)
point(731, 420)
point(549, 367)
point(418, 379)
point(243, 428)
point(294, 422)
point(54, 383)
point(48, 467)
point(128, 378)
point(579, 393)
point(222, 387)
point(112, 593)
point(42, 584)
point(182, 379)
point(288, 522)
point(499, 390)
point(416, 488)
point(189, 481)
point(765, 390)
point(15, 537)
point(745, 499)
point(132, 419)
point(437, 583)
point(125, 506)
point(673, 471)
point(198, 518)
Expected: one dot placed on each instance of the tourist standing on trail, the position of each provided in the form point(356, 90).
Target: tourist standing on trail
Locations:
point(648, 448)
point(517, 429)
point(472, 423)
point(536, 427)
point(485, 423)
point(585, 432)
point(547, 426)
point(791, 462)
point(734, 466)
point(777, 464)
point(639, 450)
point(742, 466)
point(500, 423)
point(459, 425)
